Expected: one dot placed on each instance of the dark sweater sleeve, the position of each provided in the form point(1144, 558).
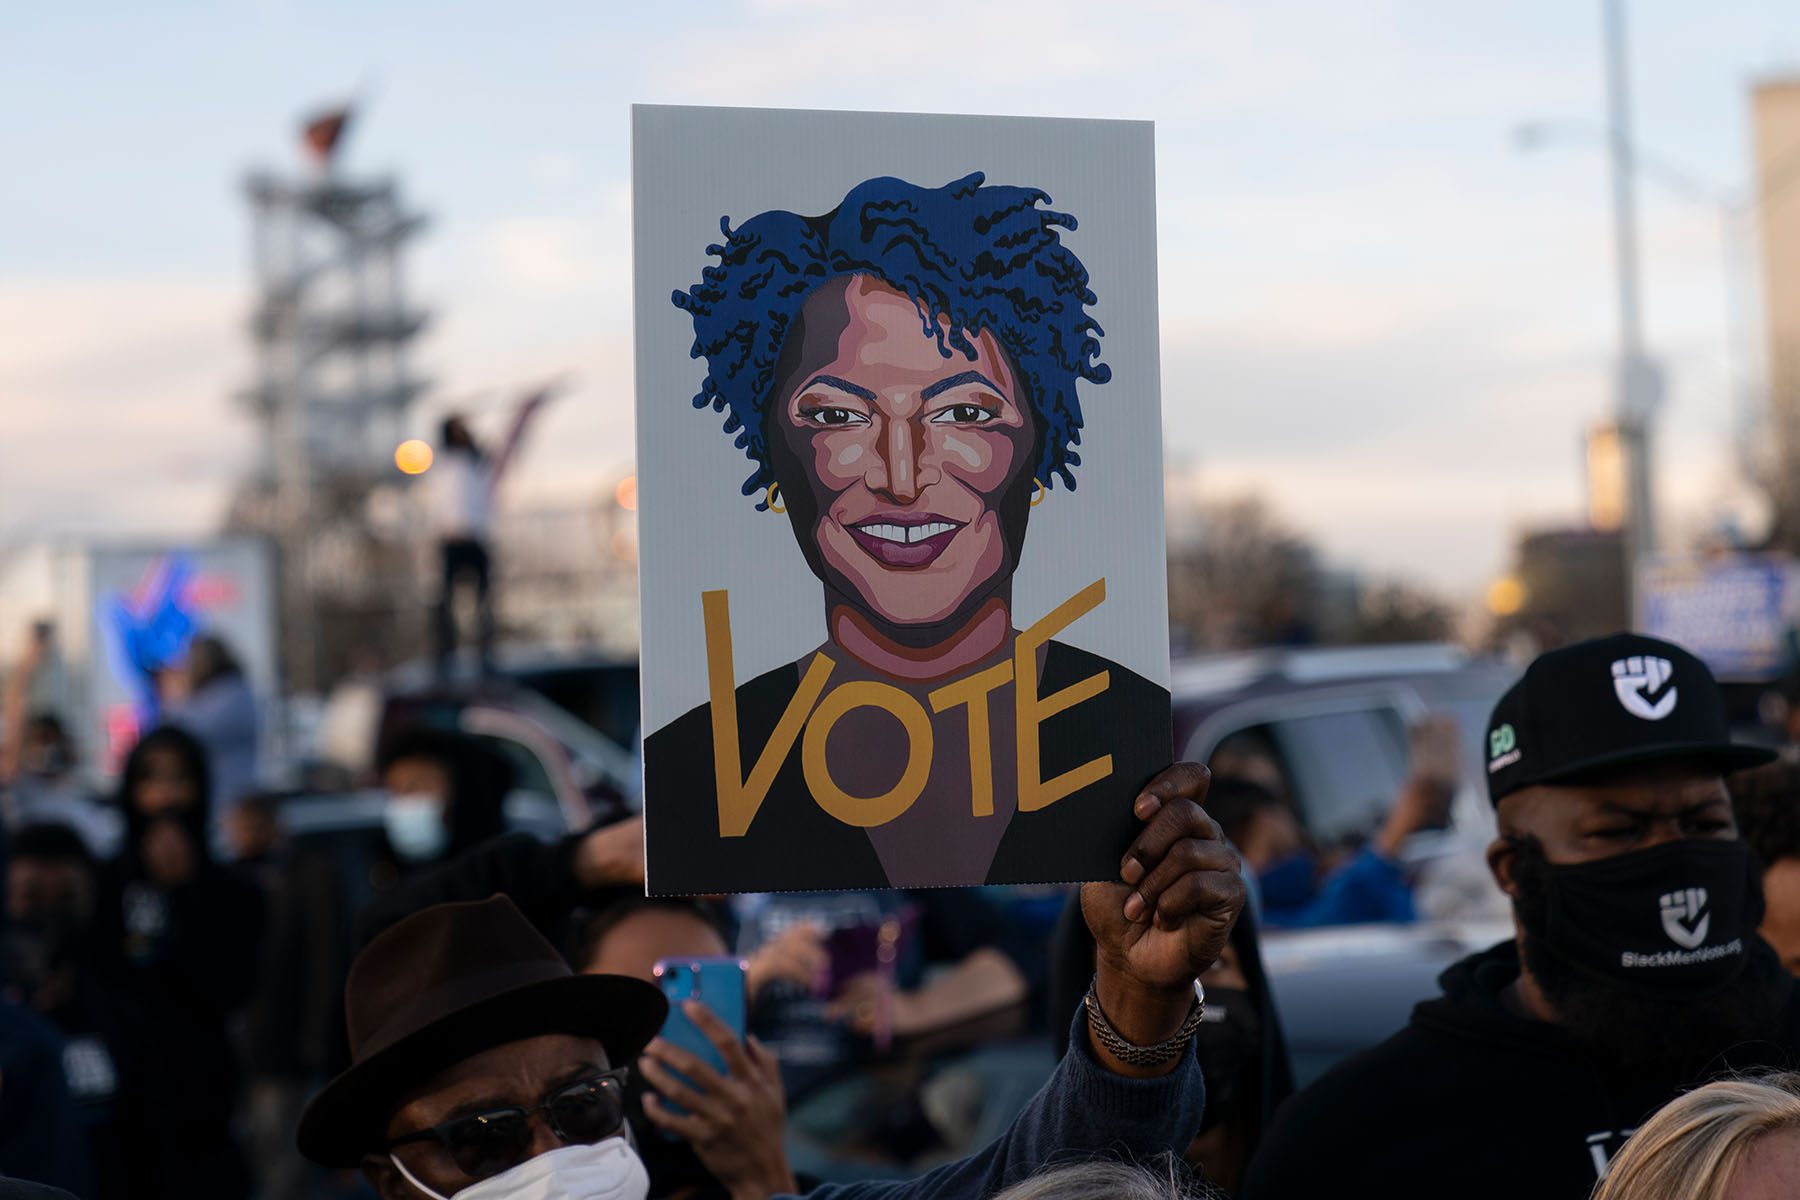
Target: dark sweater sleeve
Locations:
point(1083, 1112)
point(537, 876)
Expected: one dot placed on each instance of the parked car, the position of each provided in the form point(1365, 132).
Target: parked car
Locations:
point(1344, 989)
point(566, 725)
point(552, 752)
point(599, 691)
point(1334, 721)
point(317, 820)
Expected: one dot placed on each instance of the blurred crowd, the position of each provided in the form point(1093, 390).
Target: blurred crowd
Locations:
point(184, 971)
point(175, 966)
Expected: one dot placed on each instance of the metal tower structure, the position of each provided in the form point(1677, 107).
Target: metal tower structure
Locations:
point(332, 328)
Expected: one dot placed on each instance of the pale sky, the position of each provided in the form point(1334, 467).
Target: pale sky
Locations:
point(1377, 311)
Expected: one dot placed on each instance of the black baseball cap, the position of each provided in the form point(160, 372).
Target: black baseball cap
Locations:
point(1609, 702)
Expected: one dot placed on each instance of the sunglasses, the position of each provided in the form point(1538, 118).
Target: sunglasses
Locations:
point(486, 1143)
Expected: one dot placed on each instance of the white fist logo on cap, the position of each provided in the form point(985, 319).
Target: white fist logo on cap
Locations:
point(1636, 679)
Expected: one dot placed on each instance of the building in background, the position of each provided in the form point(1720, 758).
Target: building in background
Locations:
point(333, 329)
point(1565, 585)
point(1606, 477)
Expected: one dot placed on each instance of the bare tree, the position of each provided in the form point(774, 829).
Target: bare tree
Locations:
point(1239, 576)
point(1400, 612)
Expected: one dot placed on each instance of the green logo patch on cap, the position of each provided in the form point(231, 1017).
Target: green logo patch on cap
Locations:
point(1503, 748)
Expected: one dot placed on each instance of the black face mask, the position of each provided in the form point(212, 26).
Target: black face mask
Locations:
point(1673, 920)
point(1227, 1042)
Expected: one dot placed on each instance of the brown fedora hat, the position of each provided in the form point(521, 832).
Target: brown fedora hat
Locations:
point(448, 982)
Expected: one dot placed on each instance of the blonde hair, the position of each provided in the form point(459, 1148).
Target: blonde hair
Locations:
point(1694, 1146)
point(1164, 1179)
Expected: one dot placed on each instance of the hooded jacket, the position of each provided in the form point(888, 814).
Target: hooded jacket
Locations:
point(480, 778)
point(186, 956)
point(193, 945)
point(320, 940)
point(1473, 1100)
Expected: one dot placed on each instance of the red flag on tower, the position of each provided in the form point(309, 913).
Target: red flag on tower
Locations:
point(323, 131)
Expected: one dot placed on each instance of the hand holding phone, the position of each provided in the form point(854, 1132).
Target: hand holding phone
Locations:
point(717, 983)
point(864, 978)
point(727, 1105)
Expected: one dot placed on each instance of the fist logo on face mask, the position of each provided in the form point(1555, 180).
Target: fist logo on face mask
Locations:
point(1679, 909)
point(1640, 677)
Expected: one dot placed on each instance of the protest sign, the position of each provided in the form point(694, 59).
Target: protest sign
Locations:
point(1737, 612)
point(900, 497)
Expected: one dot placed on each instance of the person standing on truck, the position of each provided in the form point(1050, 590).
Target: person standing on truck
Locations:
point(460, 496)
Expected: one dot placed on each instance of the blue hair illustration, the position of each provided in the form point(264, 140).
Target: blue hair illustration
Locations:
point(979, 257)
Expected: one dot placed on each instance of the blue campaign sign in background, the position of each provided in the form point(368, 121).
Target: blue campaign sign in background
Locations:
point(1734, 611)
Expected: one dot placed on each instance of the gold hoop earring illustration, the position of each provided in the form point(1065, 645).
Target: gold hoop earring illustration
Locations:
point(769, 500)
point(1037, 497)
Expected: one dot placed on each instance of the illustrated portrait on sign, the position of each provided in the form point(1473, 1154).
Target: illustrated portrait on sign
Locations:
point(908, 377)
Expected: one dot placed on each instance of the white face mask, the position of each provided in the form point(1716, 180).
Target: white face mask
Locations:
point(608, 1170)
point(415, 825)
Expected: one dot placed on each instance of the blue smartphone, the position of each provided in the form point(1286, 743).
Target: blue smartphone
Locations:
point(717, 983)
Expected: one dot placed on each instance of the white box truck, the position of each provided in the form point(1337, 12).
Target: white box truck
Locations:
point(117, 610)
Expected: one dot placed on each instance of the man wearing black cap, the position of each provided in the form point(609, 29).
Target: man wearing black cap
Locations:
point(1635, 971)
point(482, 1068)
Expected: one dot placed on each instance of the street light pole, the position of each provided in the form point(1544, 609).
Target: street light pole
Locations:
point(1737, 211)
point(1638, 385)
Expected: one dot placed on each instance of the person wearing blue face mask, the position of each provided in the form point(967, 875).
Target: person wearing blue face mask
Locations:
point(1295, 891)
point(1298, 891)
point(416, 823)
point(444, 795)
